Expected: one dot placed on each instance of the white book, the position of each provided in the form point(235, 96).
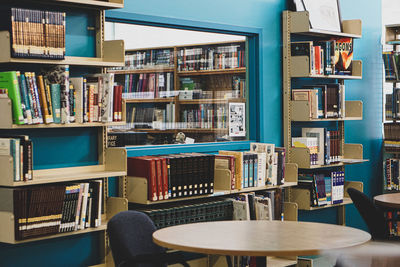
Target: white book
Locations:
point(319, 133)
point(269, 150)
point(240, 210)
point(84, 205)
point(262, 168)
point(77, 82)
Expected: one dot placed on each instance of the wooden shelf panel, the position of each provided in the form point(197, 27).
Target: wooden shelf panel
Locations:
point(300, 111)
point(114, 51)
point(102, 4)
point(211, 101)
point(300, 24)
point(147, 70)
point(152, 100)
point(212, 72)
point(353, 154)
point(116, 166)
point(300, 67)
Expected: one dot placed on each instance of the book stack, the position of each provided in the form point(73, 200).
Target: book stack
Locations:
point(54, 97)
point(392, 105)
point(391, 64)
point(148, 85)
point(211, 57)
point(149, 59)
point(218, 210)
point(36, 33)
point(174, 175)
point(325, 188)
point(19, 148)
point(205, 116)
point(391, 131)
point(391, 169)
point(326, 57)
point(325, 100)
point(160, 118)
point(263, 165)
point(392, 219)
point(50, 209)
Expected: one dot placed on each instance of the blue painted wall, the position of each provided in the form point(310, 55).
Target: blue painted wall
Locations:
point(264, 15)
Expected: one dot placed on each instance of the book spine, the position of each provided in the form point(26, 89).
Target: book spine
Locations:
point(56, 104)
point(43, 100)
point(9, 80)
point(25, 98)
point(36, 97)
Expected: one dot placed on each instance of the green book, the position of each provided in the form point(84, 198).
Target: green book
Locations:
point(9, 80)
point(55, 91)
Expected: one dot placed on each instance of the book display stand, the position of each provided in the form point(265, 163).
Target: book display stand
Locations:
point(111, 161)
point(297, 113)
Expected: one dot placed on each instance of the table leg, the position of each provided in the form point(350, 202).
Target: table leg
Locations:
point(341, 216)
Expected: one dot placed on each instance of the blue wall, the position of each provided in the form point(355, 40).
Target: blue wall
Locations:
point(264, 16)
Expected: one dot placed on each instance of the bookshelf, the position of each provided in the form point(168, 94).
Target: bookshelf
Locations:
point(210, 90)
point(109, 162)
point(297, 114)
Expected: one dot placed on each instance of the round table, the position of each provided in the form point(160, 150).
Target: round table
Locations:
point(388, 200)
point(259, 238)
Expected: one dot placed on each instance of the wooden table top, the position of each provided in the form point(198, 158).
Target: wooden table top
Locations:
point(259, 238)
point(388, 200)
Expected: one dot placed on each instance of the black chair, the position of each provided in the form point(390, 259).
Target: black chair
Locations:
point(372, 215)
point(130, 233)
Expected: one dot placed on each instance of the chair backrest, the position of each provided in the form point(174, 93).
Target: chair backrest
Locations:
point(372, 215)
point(130, 233)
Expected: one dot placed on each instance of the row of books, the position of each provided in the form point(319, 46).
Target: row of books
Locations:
point(20, 148)
point(205, 116)
point(325, 100)
point(326, 57)
point(36, 33)
point(263, 165)
point(324, 145)
point(50, 209)
point(152, 117)
point(149, 59)
point(266, 205)
point(219, 210)
point(211, 57)
point(392, 105)
point(391, 65)
point(175, 175)
point(391, 167)
point(391, 131)
point(54, 97)
point(391, 146)
point(125, 138)
point(392, 220)
point(152, 84)
point(325, 188)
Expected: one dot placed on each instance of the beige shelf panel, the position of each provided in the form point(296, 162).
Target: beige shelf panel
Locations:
point(113, 51)
point(300, 111)
point(353, 154)
point(115, 166)
point(300, 67)
point(391, 31)
point(300, 24)
point(7, 123)
point(138, 71)
point(137, 186)
point(211, 72)
point(152, 100)
point(100, 4)
point(211, 101)
point(291, 211)
point(302, 196)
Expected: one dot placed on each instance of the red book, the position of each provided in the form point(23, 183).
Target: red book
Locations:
point(145, 167)
point(317, 57)
point(120, 89)
point(159, 179)
point(164, 168)
point(115, 101)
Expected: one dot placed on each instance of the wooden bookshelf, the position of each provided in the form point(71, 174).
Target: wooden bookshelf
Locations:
point(151, 100)
point(211, 72)
point(113, 56)
point(96, 4)
point(211, 101)
point(145, 70)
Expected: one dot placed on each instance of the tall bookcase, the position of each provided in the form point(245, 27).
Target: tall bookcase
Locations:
point(207, 77)
point(297, 113)
point(109, 162)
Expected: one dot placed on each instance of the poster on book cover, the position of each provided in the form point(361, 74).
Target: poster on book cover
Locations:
point(237, 116)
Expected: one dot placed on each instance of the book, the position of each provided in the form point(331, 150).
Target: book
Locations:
point(238, 166)
point(343, 55)
point(55, 92)
point(318, 133)
point(145, 167)
point(269, 150)
point(9, 80)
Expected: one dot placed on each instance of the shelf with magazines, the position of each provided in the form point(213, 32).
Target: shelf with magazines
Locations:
point(315, 111)
point(54, 156)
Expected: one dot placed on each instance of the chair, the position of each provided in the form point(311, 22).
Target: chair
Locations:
point(372, 215)
point(130, 233)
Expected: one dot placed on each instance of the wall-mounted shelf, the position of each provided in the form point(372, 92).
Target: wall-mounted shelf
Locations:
point(300, 68)
point(300, 24)
point(113, 55)
point(115, 166)
point(211, 72)
point(302, 196)
point(137, 186)
point(353, 154)
point(300, 111)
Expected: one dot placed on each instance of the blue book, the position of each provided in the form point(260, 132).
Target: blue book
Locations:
point(328, 189)
point(25, 97)
point(256, 170)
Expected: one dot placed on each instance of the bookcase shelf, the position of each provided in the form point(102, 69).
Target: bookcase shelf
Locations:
point(113, 55)
point(211, 72)
point(137, 186)
point(302, 196)
point(115, 166)
point(97, 4)
point(151, 100)
point(7, 123)
point(299, 23)
point(300, 68)
point(212, 101)
point(300, 111)
point(145, 70)
point(353, 154)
